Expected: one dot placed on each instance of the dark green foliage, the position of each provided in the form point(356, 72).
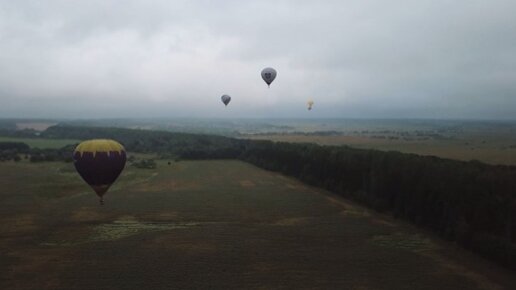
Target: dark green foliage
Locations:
point(61, 154)
point(42, 155)
point(19, 146)
point(25, 133)
point(146, 141)
point(10, 150)
point(13, 150)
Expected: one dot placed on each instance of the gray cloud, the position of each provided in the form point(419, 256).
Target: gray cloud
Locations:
point(429, 59)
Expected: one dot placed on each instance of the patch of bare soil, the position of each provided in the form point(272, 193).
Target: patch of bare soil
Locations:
point(427, 247)
point(169, 185)
point(87, 214)
point(48, 263)
point(383, 221)
point(295, 221)
point(165, 215)
point(247, 183)
point(20, 223)
point(293, 186)
point(482, 281)
point(190, 247)
point(347, 208)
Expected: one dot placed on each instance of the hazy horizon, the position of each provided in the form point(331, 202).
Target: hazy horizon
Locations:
point(224, 118)
point(161, 59)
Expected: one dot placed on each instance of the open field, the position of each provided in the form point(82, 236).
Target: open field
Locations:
point(488, 151)
point(493, 142)
point(212, 225)
point(40, 143)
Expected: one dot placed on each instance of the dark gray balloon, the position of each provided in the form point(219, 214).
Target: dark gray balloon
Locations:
point(268, 75)
point(225, 99)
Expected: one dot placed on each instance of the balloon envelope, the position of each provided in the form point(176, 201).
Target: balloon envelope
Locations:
point(225, 99)
point(99, 162)
point(268, 75)
point(309, 104)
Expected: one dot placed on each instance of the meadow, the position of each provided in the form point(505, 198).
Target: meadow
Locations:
point(212, 225)
point(492, 142)
point(474, 148)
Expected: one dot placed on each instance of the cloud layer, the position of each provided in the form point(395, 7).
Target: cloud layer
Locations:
point(416, 59)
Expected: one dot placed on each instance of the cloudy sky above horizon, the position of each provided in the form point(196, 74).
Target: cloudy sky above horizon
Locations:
point(368, 58)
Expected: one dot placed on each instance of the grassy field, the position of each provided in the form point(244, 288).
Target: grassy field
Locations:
point(493, 142)
point(41, 143)
point(492, 151)
point(212, 225)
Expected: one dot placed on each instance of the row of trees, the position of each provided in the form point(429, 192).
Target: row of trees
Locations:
point(147, 141)
point(12, 150)
point(16, 150)
point(468, 202)
point(59, 154)
point(471, 203)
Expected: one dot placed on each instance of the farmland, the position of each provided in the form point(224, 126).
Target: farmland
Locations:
point(212, 224)
point(494, 152)
point(487, 141)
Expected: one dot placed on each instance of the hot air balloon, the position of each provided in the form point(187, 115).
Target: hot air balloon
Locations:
point(268, 75)
point(99, 162)
point(225, 99)
point(310, 103)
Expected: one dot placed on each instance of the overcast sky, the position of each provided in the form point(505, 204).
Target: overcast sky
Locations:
point(363, 58)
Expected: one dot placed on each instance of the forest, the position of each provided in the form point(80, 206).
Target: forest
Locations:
point(470, 203)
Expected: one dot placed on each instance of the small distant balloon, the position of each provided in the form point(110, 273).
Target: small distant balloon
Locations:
point(225, 99)
point(99, 162)
point(309, 104)
point(268, 75)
